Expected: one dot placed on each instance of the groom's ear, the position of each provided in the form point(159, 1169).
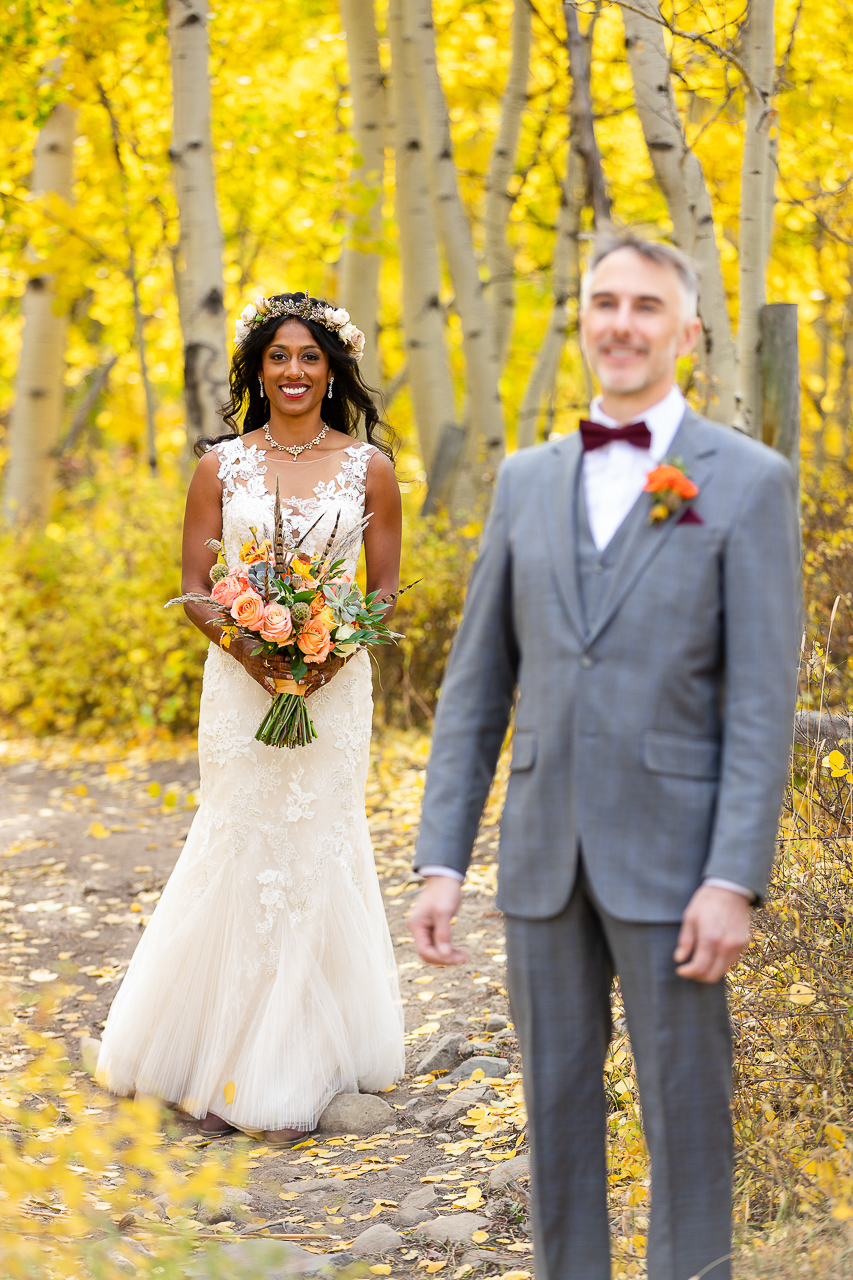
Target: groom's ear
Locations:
point(690, 335)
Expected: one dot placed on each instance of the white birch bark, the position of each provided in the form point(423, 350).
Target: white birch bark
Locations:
point(679, 175)
point(361, 262)
point(428, 368)
point(201, 287)
point(565, 279)
point(756, 193)
point(36, 417)
point(499, 255)
point(485, 445)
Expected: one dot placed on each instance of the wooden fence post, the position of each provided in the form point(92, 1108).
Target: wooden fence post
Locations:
point(780, 380)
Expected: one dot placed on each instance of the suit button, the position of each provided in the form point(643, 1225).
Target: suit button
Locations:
point(587, 662)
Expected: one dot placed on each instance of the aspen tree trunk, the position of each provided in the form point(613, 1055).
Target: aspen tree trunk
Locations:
point(682, 182)
point(583, 125)
point(565, 279)
point(485, 444)
point(428, 368)
point(500, 259)
point(36, 416)
point(756, 192)
point(361, 262)
point(201, 287)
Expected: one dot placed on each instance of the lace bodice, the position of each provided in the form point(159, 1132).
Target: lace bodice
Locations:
point(247, 500)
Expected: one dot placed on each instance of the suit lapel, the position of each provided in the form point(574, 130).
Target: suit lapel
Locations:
point(693, 448)
point(561, 524)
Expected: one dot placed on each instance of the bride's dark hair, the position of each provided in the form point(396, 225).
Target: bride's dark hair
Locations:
point(352, 399)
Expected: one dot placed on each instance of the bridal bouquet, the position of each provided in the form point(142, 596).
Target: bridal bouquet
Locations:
point(302, 607)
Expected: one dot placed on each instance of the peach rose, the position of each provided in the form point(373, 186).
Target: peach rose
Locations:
point(318, 604)
point(314, 641)
point(248, 610)
point(277, 624)
point(227, 589)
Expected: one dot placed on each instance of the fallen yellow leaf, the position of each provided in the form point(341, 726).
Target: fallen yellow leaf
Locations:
point(435, 1266)
point(381, 1269)
point(229, 1092)
point(98, 830)
point(480, 1237)
point(800, 993)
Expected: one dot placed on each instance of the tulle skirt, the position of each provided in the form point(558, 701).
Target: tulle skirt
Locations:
point(265, 982)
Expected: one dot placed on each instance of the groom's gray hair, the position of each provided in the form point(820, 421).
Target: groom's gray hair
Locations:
point(665, 255)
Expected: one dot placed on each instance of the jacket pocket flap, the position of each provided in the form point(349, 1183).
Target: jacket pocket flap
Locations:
point(680, 755)
point(523, 750)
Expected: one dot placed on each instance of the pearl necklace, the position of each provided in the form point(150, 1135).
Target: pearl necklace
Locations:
point(294, 449)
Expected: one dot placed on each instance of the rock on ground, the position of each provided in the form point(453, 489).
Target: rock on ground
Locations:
point(89, 1050)
point(508, 1171)
point(496, 1023)
point(449, 1051)
point(272, 1259)
point(420, 1198)
point(412, 1217)
point(360, 1113)
point(454, 1106)
point(496, 1068)
point(455, 1230)
point(376, 1240)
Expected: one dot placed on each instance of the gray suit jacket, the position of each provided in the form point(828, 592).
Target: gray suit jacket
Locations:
point(656, 735)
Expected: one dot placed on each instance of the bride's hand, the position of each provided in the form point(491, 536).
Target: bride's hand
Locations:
point(322, 673)
point(264, 669)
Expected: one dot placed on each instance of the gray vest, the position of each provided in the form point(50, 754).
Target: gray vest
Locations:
point(595, 568)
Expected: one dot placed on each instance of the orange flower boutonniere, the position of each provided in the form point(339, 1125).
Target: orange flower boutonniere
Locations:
point(671, 488)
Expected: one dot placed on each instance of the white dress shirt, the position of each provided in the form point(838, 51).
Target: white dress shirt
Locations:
point(613, 477)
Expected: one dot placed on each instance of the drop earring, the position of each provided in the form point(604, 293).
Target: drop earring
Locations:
point(331, 381)
point(261, 384)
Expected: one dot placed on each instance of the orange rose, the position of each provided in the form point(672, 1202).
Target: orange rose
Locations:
point(277, 624)
point(248, 610)
point(666, 477)
point(314, 641)
point(318, 604)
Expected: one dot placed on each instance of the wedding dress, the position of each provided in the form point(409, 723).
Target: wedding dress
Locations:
point(265, 982)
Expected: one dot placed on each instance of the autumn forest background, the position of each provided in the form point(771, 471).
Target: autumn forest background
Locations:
point(440, 169)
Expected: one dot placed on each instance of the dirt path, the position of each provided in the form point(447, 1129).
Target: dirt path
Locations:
point(87, 846)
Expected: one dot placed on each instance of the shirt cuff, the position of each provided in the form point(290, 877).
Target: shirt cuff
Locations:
point(440, 871)
point(717, 883)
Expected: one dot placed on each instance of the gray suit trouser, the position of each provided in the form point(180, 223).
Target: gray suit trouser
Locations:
point(560, 974)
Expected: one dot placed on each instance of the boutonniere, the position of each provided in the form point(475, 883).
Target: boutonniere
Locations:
point(671, 487)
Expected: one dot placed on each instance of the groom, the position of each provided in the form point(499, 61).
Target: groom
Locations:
point(652, 646)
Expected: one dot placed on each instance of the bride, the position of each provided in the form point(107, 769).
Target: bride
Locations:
point(265, 983)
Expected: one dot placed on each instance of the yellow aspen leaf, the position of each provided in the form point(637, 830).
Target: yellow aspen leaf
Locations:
point(80, 790)
point(835, 1135)
point(154, 789)
point(516, 1275)
point(463, 1271)
point(228, 1092)
point(98, 830)
point(432, 1267)
point(480, 1237)
point(381, 1269)
point(801, 993)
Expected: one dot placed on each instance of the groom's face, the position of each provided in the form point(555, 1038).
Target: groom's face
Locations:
point(634, 325)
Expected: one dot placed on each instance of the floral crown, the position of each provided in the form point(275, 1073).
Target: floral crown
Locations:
point(335, 319)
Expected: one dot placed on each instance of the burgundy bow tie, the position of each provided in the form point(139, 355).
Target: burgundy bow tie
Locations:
point(595, 436)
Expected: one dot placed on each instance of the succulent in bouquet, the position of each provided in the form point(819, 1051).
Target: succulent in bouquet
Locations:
point(301, 607)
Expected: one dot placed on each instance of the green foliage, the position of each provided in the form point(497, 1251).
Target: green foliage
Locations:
point(87, 645)
point(410, 672)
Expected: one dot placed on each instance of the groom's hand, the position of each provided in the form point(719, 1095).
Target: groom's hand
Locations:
point(714, 933)
point(429, 922)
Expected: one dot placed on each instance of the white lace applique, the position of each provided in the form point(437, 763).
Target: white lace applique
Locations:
point(296, 807)
point(240, 465)
point(221, 740)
